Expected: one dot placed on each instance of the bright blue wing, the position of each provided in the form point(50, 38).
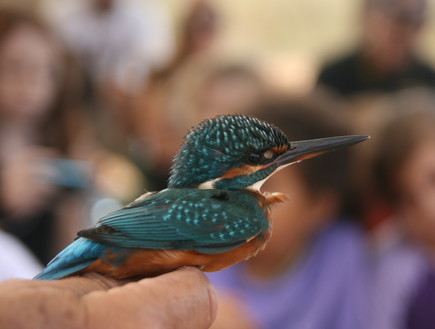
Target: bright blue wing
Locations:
point(75, 257)
point(209, 221)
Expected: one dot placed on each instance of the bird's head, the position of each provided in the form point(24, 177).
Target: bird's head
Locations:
point(238, 151)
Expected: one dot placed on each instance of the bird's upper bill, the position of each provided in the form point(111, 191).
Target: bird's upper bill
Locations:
point(286, 155)
point(308, 149)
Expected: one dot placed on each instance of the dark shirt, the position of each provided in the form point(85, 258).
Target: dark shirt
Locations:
point(352, 75)
point(421, 312)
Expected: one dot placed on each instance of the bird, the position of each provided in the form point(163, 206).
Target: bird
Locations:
point(212, 215)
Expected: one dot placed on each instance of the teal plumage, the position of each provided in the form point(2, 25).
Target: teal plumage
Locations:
point(176, 219)
point(217, 145)
point(75, 257)
point(212, 214)
point(209, 221)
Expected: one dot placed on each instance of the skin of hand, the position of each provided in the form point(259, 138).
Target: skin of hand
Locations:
point(180, 299)
point(232, 314)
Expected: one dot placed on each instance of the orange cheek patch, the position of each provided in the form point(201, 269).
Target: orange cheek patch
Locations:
point(245, 170)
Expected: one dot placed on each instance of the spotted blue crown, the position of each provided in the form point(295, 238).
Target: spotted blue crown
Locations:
point(220, 144)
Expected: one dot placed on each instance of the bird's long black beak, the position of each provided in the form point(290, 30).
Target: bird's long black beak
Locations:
point(307, 149)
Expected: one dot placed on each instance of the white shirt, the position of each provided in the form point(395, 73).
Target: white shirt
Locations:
point(16, 261)
point(123, 44)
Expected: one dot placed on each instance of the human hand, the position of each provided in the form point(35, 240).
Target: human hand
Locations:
point(180, 299)
point(232, 314)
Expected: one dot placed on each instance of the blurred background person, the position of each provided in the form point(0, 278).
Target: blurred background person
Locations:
point(167, 107)
point(33, 130)
point(369, 115)
point(52, 164)
point(313, 272)
point(404, 176)
point(119, 42)
point(225, 88)
point(386, 58)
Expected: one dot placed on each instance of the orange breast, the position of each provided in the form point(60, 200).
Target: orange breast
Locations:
point(148, 262)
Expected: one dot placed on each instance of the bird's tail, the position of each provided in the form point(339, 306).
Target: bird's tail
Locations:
point(75, 257)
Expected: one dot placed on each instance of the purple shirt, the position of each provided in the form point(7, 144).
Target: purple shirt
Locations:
point(326, 289)
point(403, 294)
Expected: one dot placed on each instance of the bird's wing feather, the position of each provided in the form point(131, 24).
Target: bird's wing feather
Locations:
point(204, 220)
point(73, 258)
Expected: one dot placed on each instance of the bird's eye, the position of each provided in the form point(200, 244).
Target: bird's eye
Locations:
point(254, 158)
point(268, 154)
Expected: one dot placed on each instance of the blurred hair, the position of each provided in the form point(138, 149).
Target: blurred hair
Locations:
point(411, 12)
point(301, 120)
point(10, 19)
point(202, 18)
point(396, 144)
point(201, 21)
point(55, 128)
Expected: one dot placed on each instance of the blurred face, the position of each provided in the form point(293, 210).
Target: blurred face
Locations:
point(388, 40)
point(296, 221)
point(201, 28)
point(27, 83)
point(416, 184)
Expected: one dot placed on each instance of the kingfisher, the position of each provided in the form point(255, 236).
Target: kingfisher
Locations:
point(212, 214)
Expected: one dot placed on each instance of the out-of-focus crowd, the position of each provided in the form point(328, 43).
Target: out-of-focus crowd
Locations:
point(95, 97)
